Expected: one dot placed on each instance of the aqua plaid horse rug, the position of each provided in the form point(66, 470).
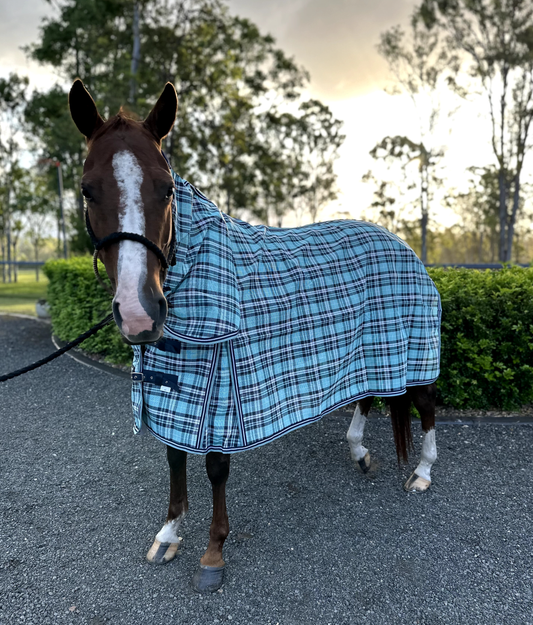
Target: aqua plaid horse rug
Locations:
point(269, 329)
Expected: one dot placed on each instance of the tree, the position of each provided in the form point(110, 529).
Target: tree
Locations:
point(38, 208)
point(407, 154)
point(52, 134)
point(13, 93)
point(227, 75)
point(385, 201)
point(478, 209)
point(318, 144)
point(495, 38)
point(419, 64)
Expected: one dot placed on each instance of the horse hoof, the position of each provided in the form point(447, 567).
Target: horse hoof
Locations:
point(208, 578)
point(416, 484)
point(364, 463)
point(161, 553)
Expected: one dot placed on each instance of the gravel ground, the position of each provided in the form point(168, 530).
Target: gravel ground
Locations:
point(312, 540)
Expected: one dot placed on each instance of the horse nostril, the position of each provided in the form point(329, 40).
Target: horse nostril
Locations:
point(163, 309)
point(116, 313)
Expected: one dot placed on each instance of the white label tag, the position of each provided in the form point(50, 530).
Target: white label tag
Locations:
point(167, 389)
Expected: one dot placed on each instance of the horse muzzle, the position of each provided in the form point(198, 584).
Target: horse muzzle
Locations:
point(140, 324)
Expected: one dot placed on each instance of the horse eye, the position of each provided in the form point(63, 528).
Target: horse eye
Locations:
point(170, 191)
point(86, 194)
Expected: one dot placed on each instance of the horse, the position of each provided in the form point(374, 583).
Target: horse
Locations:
point(137, 214)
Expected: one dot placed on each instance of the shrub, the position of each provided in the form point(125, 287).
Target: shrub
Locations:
point(77, 302)
point(487, 337)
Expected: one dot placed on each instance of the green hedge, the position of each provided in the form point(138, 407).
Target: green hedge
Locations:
point(77, 302)
point(487, 329)
point(487, 337)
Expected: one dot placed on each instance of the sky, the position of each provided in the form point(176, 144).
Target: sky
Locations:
point(335, 40)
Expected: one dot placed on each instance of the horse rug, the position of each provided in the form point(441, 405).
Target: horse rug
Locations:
point(269, 329)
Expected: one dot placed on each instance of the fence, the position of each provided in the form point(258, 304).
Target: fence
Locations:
point(11, 276)
point(476, 265)
point(9, 270)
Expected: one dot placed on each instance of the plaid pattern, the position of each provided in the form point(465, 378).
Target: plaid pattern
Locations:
point(270, 329)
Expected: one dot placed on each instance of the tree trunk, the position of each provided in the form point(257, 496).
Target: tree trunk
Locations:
point(502, 254)
point(136, 55)
point(512, 221)
point(424, 211)
point(3, 247)
point(8, 232)
point(36, 250)
point(15, 269)
point(171, 146)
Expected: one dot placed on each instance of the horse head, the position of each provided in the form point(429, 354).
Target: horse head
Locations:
point(128, 188)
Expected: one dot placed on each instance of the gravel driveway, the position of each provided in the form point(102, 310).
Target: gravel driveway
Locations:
point(312, 540)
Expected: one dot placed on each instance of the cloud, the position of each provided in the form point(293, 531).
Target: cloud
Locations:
point(334, 39)
point(19, 22)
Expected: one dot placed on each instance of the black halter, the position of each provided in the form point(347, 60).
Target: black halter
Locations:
point(114, 237)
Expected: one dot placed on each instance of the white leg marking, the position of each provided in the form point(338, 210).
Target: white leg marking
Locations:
point(132, 256)
point(428, 457)
point(169, 532)
point(355, 435)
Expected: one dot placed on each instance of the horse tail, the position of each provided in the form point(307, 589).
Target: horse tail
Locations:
point(400, 413)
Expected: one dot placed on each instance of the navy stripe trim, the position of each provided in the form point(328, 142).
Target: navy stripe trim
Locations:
point(207, 397)
point(287, 430)
point(236, 391)
point(190, 339)
point(140, 389)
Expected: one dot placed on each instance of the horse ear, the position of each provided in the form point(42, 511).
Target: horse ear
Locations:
point(83, 110)
point(162, 117)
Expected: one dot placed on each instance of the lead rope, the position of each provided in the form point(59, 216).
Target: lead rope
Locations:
point(59, 352)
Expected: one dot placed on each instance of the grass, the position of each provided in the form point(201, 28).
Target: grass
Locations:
point(20, 297)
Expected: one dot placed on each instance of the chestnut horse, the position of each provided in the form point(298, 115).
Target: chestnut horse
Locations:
point(128, 187)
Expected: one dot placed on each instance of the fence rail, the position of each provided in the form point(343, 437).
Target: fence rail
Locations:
point(23, 263)
point(477, 265)
point(9, 270)
point(39, 263)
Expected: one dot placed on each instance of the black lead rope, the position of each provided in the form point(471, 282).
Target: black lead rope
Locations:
point(59, 352)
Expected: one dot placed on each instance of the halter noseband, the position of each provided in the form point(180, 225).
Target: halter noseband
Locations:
point(114, 237)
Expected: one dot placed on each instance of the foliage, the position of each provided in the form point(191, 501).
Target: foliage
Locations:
point(234, 88)
point(34, 205)
point(13, 94)
point(77, 302)
point(478, 211)
point(487, 337)
point(52, 134)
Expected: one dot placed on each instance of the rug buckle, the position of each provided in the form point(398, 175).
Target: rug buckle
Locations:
point(137, 377)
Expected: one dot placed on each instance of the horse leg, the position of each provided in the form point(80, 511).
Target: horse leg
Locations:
point(167, 540)
point(210, 575)
point(424, 400)
point(355, 434)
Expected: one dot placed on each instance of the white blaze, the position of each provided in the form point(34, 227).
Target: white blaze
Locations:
point(131, 256)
